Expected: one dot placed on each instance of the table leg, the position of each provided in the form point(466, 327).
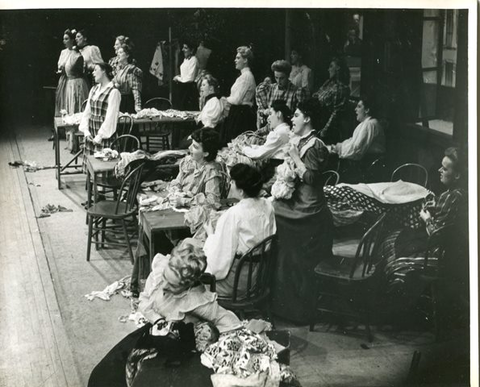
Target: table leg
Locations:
point(95, 188)
point(57, 158)
point(151, 249)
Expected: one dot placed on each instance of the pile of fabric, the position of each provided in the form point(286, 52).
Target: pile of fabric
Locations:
point(285, 180)
point(233, 153)
point(106, 154)
point(170, 113)
point(161, 157)
point(73, 119)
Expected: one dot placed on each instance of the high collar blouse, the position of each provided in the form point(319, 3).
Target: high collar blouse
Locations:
point(243, 90)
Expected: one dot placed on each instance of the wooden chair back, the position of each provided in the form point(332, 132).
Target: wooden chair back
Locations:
point(411, 172)
point(126, 143)
point(129, 189)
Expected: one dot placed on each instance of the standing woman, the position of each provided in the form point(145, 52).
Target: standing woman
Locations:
point(99, 120)
point(186, 96)
point(91, 54)
point(128, 81)
point(72, 87)
point(213, 110)
point(304, 222)
point(301, 75)
point(241, 117)
point(119, 40)
point(333, 98)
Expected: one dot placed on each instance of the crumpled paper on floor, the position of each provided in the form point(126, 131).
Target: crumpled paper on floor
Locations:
point(110, 290)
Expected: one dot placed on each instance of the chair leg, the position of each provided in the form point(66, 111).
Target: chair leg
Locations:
point(96, 231)
point(128, 241)
point(104, 226)
point(89, 242)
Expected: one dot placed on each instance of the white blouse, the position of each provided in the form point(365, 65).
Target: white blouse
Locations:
point(368, 137)
point(109, 126)
point(243, 90)
point(302, 77)
point(212, 113)
point(91, 55)
point(274, 146)
point(188, 69)
point(240, 228)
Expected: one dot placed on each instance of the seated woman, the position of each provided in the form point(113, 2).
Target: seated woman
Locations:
point(368, 138)
point(239, 229)
point(305, 225)
point(173, 294)
point(213, 110)
point(277, 139)
point(199, 174)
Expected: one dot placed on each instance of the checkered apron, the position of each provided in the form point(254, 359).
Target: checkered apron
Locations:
point(98, 112)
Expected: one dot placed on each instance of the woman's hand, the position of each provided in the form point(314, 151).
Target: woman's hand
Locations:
point(425, 215)
point(89, 138)
point(293, 152)
point(176, 78)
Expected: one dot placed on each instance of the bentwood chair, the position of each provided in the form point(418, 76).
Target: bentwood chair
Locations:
point(124, 125)
point(158, 137)
point(118, 211)
point(330, 177)
point(411, 172)
point(255, 268)
point(345, 286)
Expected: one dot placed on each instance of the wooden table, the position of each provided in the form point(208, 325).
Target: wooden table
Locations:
point(60, 124)
point(95, 167)
point(72, 163)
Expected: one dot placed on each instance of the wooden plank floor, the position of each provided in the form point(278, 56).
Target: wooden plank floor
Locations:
point(34, 347)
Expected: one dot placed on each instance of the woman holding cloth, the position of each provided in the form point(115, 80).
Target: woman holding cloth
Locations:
point(304, 222)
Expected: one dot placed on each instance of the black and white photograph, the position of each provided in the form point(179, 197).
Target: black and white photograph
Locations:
point(238, 195)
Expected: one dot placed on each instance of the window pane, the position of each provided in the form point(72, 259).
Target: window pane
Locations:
point(430, 77)
point(431, 13)
point(430, 43)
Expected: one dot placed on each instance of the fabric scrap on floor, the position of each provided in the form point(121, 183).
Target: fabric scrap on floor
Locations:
point(110, 290)
point(30, 166)
point(52, 209)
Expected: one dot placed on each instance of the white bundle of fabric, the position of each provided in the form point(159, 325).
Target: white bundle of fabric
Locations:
point(285, 180)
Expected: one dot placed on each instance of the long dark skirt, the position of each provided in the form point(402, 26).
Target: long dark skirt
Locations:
point(302, 244)
point(185, 96)
point(127, 104)
point(111, 369)
point(241, 118)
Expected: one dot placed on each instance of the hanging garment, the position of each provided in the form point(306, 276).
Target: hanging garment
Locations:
point(157, 68)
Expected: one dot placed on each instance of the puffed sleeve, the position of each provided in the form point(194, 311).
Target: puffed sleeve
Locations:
point(339, 101)
point(109, 126)
point(355, 147)
point(83, 127)
point(213, 180)
point(96, 56)
point(135, 81)
point(273, 143)
point(223, 319)
point(212, 113)
point(315, 161)
point(262, 95)
point(146, 298)
point(220, 248)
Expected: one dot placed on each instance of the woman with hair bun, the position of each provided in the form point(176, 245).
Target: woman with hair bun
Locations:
point(119, 40)
point(128, 80)
point(274, 146)
point(304, 221)
point(239, 229)
point(99, 120)
point(241, 117)
point(91, 54)
point(213, 108)
point(72, 87)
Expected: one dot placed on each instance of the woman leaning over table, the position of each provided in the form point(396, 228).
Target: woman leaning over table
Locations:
point(128, 80)
point(99, 120)
point(304, 222)
point(241, 117)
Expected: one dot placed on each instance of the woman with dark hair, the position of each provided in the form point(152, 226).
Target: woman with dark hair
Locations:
point(368, 138)
point(333, 97)
point(119, 41)
point(274, 147)
point(213, 109)
point(72, 87)
point(239, 229)
point(241, 116)
point(99, 120)
point(128, 81)
point(305, 226)
point(199, 172)
point(91, 54)
point(186, 97)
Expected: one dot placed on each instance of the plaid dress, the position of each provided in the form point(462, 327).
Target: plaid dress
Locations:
point(98, 112)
